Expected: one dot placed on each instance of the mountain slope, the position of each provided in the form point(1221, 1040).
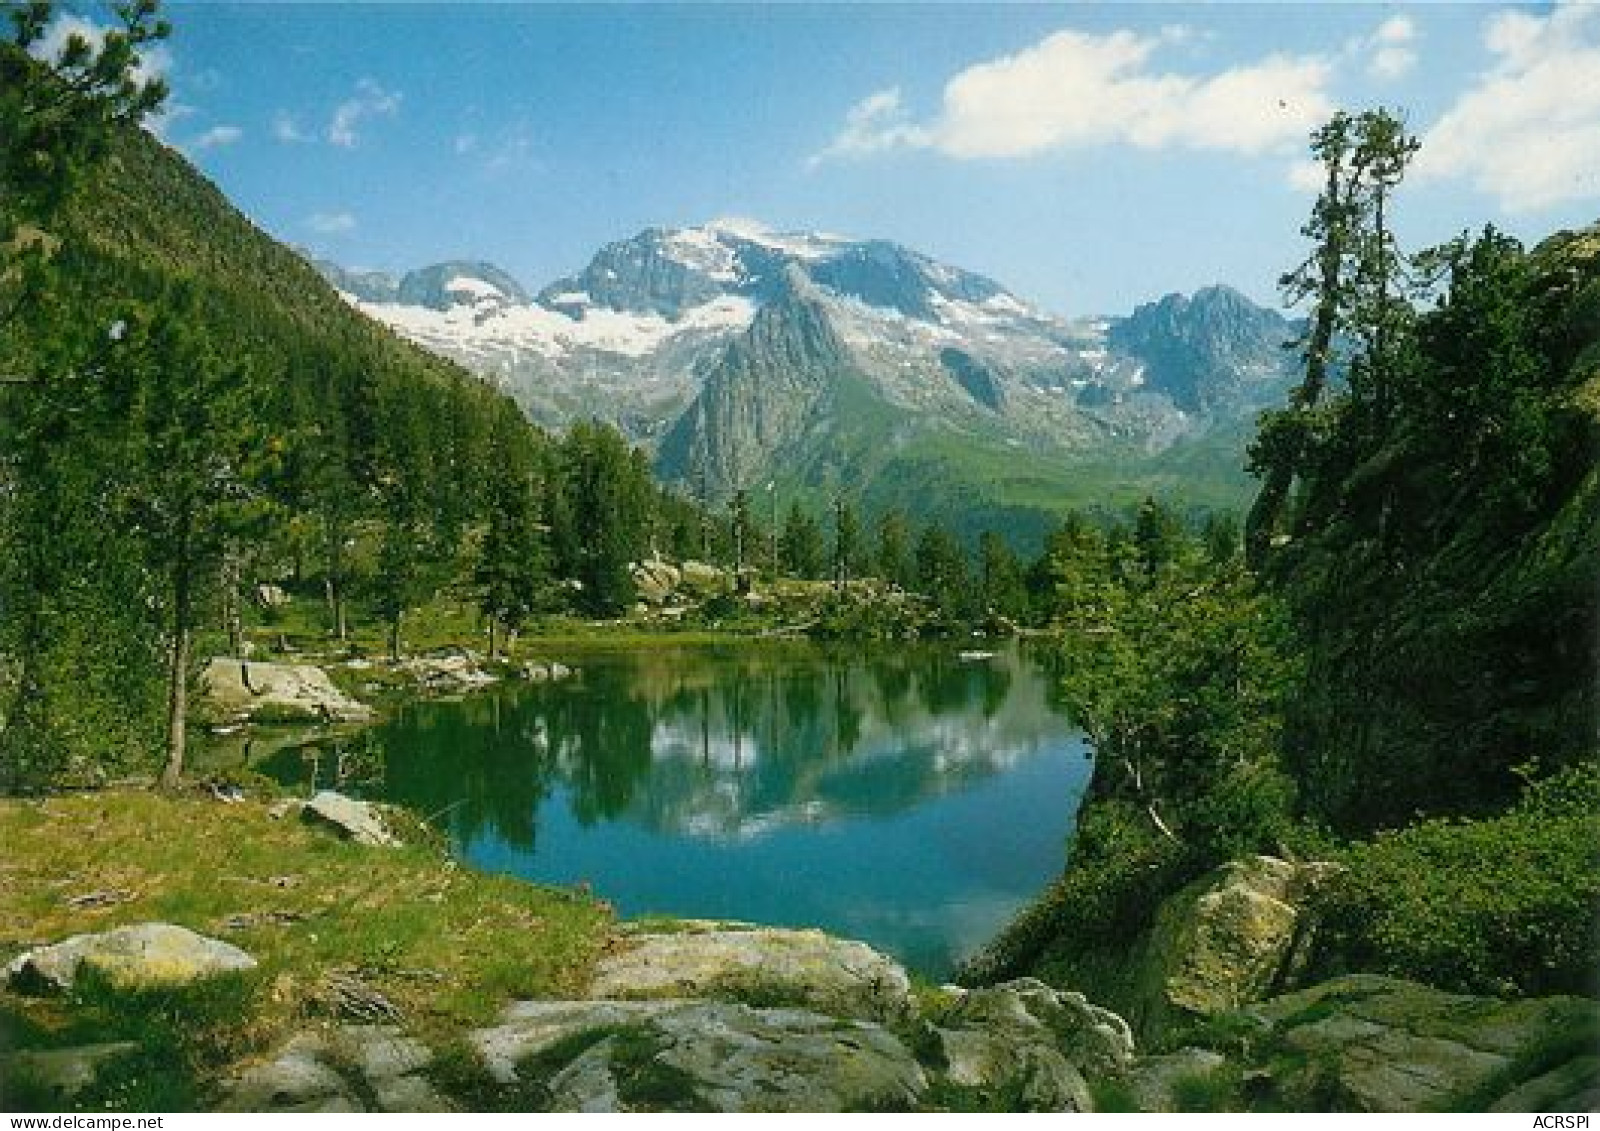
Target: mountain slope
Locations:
point(744, 355)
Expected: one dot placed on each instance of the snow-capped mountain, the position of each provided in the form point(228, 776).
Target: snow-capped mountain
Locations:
point(740, 353)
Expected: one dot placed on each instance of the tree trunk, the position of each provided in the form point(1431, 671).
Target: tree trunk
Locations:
point(334, 582)
point(394, 638)
point(491, 638)
point(1266, 514)
point(178, 677)
point(231, 616)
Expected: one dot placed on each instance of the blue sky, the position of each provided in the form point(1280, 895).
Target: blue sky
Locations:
point(1088, 157)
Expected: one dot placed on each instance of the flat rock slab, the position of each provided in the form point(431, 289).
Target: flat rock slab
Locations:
point(147, 955)
point(1387, 1045)
point(699, 1056)
point(65, 1073)
point(447, 673)
point(349, 1068)
point(351, 819)
point(760, 966)
point(286, 692)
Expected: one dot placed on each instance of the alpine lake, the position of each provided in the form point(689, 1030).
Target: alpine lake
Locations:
point(915, 796)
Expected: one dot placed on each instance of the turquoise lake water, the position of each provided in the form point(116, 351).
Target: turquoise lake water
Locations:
point(909, 796)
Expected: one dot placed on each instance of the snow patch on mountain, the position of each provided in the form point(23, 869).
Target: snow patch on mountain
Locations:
point(808, 246)
point(468, 329)
point(700, 250)
point(477, 288)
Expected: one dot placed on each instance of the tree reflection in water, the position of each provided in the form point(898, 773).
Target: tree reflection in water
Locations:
point(722, 742)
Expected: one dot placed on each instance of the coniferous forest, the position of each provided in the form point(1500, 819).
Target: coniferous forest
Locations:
point(1377, 674)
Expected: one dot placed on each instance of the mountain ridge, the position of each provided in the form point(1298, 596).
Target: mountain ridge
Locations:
point(659, 335)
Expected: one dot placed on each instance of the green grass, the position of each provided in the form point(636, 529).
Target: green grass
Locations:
point(1217, 1090)
point(1111, 1095)
point(448, 946)
point(646, 1082)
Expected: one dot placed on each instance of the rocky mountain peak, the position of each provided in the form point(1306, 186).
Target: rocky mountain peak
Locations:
point(459, 283)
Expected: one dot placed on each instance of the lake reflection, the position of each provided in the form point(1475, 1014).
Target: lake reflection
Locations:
point(908, 796)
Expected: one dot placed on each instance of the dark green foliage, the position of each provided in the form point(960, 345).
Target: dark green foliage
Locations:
point(187, 410)
point(1423, 625)
point(645, 1081)
point(513, 569)
point(71, 584)
point(1180, 684)
point(1354, 279)
point(894, 550)
point(1177, 668)
point(602, 522)
point(1220, 1089)
point(742, 531)
point(1001, 574)
point(943, 574)
point(55, 121)
point(844, 556)
point(800, 544)
point(1157, 538)
point(1505, 905)
point(194, 457)
point(1442, 569)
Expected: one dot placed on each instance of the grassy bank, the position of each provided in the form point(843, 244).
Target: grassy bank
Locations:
point(446, 946)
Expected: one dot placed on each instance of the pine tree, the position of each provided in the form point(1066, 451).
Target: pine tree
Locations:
point(894, 549)
point(1354, 278)
point(1322, 277)
point(513, 570)
point(1157, 536)
point(1003, 590)
point(845, 554)
point(56, 119)
point(604, 514)
point(800, 545)
point(942, 572)
point(196, 451)
point(741, 530)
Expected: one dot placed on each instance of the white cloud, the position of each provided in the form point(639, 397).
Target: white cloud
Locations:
point(217, 137)
point(1076, 90)
point(370, 101)
point(286, 129)
point(508, 148)
point(874, 124)
point(1390, 49)
point(1528, 130)
point(1395, 29)
point(155, 61)
point(331, 223)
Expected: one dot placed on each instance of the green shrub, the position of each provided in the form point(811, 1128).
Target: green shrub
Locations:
point(1502, 906)
point(1119, 872)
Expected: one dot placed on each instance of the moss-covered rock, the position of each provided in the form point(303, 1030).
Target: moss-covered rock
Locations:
point(149, 955)
point(1370, 1043)
point(697, 1056)
point(760, 966)
point(1230, 938)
